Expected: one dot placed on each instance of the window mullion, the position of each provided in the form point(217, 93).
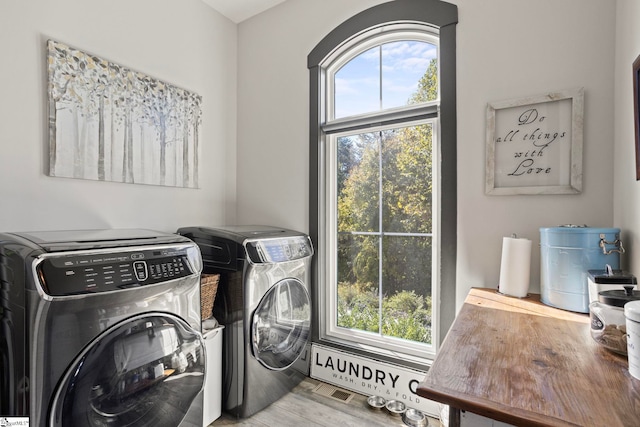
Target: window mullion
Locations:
point(380, 77)
point(380, 233)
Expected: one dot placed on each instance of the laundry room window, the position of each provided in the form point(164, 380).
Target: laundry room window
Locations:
point(382, 184)
point(381, 197)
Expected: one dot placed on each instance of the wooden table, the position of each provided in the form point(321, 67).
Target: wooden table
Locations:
point(524, 363)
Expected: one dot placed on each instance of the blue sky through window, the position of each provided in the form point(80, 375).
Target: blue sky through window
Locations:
point(358, 88)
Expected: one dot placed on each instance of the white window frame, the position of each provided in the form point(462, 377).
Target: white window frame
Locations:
point(425, 113)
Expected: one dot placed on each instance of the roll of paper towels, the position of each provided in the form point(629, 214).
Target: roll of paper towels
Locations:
point(515, 267)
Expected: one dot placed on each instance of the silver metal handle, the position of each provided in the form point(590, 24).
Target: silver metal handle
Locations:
point(617, 243)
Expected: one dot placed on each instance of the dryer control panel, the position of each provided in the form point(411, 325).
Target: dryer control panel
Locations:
point(279, 250)
point(67, 274)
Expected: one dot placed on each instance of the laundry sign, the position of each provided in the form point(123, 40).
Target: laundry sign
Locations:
point(370, 377)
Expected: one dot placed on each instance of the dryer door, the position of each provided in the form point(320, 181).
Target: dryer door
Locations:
point(280, 327)
point(144, 371)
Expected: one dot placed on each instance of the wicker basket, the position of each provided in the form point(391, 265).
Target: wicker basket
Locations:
point(208, 289)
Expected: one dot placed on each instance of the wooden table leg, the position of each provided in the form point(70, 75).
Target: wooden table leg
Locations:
point(454, 417)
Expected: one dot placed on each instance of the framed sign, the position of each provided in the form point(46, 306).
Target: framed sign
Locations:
point(534, 144)
point(636, 112)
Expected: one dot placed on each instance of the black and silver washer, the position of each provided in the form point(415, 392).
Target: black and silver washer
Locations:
point(263, 301)
point(103, 328)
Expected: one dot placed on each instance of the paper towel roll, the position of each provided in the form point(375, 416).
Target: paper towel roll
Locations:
point(515, 267)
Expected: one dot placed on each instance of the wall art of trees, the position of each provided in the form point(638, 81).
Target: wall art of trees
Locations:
point(110, 123)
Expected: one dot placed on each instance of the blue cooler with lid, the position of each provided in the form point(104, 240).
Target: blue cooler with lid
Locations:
point(567, 253)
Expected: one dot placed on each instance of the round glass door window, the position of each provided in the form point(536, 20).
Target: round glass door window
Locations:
point(280, 328)
point(144, 371)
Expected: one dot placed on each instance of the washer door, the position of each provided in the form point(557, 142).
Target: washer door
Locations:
point(281, 324)
point(144, 371)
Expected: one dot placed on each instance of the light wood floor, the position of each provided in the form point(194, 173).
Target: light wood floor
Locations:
point(302, 407)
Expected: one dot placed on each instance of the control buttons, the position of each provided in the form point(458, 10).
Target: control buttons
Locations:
point(140, 270)
point(107, 272)
point(167, 269)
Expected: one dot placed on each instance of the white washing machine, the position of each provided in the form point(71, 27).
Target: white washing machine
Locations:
point(263, 301)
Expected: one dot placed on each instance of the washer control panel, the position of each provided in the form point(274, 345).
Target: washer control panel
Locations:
point(67, 274)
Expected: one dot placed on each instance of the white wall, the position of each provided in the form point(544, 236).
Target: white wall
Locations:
point(626, 189)
point(184, 43)
point(506, 49)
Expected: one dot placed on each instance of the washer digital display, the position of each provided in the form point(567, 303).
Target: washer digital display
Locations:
point(281, 250)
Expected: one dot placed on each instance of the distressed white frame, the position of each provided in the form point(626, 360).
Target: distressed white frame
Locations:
point(575, 161)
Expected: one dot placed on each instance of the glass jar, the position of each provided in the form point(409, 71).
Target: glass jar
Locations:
point(608, 323)
point(632, 313)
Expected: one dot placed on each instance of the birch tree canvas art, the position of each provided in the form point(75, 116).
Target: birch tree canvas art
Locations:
point(110, 123)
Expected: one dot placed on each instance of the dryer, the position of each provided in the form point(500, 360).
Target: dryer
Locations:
point(101, 327)
point(263, 302)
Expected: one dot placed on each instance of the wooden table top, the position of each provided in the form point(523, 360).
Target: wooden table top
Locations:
point(524, 363)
